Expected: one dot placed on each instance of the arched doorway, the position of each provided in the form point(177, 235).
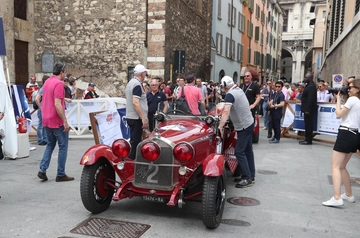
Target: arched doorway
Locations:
point(235, 77)
point(286, 65)
point(221, 74)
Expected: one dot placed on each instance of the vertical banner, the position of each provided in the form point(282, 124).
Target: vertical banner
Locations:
point(2, 39)
point(125, 129)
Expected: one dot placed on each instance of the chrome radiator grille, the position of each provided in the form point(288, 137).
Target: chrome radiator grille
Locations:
point(160, 174)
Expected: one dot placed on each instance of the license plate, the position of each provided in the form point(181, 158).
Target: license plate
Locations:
point(153, 198)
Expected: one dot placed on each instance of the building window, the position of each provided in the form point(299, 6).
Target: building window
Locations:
point(274, 44)
point(232, 48)
point(251, 4)
point(285, 21)
point(261, 38)
point(249, 56)
point(233, 20)
point(262, 17)
point(250, 29)
point(274, 25)
point(357, 6)
point(227, 47)
point(219, 43)
point(20, 9)
point(257, 11)
point(229, 13)
point(241, 22)
point(219, 10)
point(257, 33)
point(240, 52)
point(324, 15)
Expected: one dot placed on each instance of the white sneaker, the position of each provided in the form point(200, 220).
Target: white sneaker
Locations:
point(264, 128)
point(333, 203)
point(346, 198)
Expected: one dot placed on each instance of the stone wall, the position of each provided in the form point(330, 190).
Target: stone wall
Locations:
point(344, 59)
point(188, 27)
point(99, 39)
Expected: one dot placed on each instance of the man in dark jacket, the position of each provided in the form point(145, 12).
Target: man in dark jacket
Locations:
point(309, 108)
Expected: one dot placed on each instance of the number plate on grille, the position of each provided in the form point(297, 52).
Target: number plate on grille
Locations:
point(153, 198)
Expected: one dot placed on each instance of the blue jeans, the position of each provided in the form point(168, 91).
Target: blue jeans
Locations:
point(266, 116)
point(244, 152)
point(41, 134)
point(53, 135)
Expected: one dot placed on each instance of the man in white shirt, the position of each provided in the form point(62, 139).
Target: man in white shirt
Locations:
point(323, 95)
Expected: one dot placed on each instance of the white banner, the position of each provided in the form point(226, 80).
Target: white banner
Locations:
point(8, 122)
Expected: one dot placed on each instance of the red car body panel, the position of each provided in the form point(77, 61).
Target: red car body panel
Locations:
point(213, 165)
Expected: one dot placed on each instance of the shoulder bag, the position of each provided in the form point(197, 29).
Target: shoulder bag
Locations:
point(181, 103)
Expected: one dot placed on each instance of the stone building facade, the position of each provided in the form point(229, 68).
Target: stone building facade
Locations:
point(341, 44)
point(18, 22)
point(103, 40)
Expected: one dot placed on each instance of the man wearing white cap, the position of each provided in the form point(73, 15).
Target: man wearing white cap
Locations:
point(136, 107)
point(238, 108)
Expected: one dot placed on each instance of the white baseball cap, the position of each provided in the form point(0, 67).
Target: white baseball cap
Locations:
point(227, 81)
point(139, 69)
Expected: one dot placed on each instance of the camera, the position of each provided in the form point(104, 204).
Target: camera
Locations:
point(343, 90)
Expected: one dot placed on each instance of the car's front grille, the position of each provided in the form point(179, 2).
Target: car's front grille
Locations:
point(160, 174)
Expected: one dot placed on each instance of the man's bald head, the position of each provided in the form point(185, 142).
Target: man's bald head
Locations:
point(308, 77)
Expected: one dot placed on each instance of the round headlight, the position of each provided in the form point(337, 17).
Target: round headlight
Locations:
point(150, 151)
point(183, 152)
point(121, 148)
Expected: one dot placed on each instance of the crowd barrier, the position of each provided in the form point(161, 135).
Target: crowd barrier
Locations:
point(77, 112)
point(325, 120)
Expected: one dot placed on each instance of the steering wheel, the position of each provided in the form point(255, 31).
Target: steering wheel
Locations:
point(176, 110)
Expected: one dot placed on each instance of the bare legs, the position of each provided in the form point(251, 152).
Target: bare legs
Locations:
point(340, 173)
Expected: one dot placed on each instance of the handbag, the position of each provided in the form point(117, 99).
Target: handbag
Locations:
point(181, 103)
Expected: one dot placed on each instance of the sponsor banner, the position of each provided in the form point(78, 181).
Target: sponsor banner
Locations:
point(328, 123)
point(299, 123)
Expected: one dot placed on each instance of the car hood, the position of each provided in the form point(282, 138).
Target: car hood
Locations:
point(188, 130)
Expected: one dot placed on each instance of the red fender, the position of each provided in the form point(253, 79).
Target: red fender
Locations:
point(97, 151)
point(213, 165)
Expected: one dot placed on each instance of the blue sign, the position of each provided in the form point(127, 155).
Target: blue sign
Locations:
point(299, 123)
point(2, 39)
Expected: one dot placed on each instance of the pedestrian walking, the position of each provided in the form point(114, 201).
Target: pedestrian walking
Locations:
point(55, 123)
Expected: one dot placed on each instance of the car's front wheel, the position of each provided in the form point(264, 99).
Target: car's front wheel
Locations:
point(213, 200)
point(97, 186)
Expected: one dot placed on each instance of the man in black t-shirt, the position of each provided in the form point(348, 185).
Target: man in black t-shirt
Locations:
point(252, 92)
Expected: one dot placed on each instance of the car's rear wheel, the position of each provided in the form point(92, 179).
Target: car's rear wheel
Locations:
point(97, 186)
point(213, 200)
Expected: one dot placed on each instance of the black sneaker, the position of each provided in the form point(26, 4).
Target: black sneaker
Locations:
point(42, 176)
point(252, 180)
point(244, 183)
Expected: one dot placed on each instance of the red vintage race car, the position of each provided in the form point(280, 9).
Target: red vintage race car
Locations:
point(182, 159)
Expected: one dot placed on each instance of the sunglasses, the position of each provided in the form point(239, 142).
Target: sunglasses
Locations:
point(247, 75)
point(278, 86)
point(63, 68)
point(154, 85)
point(352, 87)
